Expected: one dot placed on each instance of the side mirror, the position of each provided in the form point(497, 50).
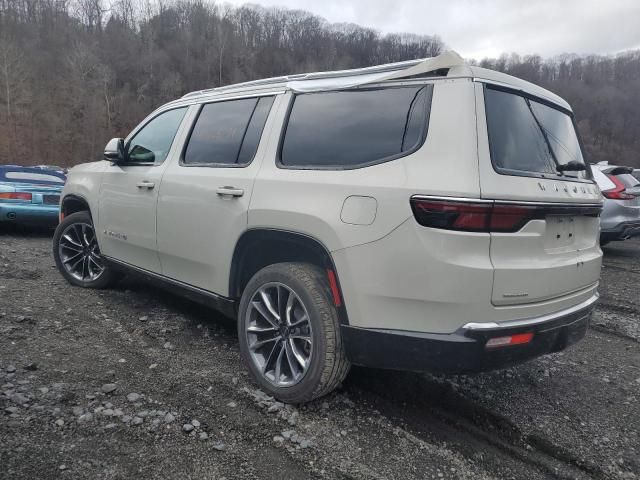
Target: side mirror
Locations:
point(115, 151)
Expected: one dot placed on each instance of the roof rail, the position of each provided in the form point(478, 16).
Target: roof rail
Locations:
point(442, 61)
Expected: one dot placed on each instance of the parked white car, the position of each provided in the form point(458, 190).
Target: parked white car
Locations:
point(425, 215)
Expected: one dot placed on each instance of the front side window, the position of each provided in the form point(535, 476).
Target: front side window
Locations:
point(354, 128)
point(526, 136)
point(228, 132)
point(151, 144)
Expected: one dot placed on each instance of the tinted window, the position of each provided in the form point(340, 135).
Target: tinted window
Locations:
point(153, 141)
point(227, 132)
point(354, 128)
point(528, 136)
point(254, 131)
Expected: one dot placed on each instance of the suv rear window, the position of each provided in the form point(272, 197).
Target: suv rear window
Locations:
point(530, 137)
point(355, 128)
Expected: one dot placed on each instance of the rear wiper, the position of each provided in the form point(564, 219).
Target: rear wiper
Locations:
point(544, 135)
point(572, 166)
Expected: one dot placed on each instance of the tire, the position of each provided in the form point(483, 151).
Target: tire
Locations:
point(316, 340)
point(74, 241)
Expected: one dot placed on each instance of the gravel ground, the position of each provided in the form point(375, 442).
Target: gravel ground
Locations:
point(136, 382)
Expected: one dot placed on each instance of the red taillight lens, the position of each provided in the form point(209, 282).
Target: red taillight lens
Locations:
point(472, 217)
point(15, 196)
point(617, 192)
point(511, 218)
point(518, 339)
point(452, 215)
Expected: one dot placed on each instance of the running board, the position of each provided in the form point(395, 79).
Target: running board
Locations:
point(226, 306)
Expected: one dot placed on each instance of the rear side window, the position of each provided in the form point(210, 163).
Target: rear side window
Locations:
point(355, 128)
point(227, 133)
point(526, 136)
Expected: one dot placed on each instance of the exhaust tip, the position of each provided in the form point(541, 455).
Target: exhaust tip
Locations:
point(11, 215)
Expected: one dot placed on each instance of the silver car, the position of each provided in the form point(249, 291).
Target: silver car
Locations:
point(621, 215)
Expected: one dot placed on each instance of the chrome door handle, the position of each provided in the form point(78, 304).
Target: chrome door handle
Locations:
point(145, 184)
point(230, 191)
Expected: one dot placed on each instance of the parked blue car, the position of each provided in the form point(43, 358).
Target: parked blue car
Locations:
point(30, 195)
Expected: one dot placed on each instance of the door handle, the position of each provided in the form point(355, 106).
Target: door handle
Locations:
point(145, 184)
point(230, 191)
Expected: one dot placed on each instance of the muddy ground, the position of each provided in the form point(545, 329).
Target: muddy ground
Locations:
point(105, 385)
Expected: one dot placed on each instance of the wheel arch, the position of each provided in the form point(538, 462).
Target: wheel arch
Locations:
point(73, 203)
point(260, 247)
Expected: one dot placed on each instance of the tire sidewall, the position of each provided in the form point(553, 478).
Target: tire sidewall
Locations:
point(306, 388)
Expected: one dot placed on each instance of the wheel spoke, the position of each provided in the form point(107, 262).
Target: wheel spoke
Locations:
point(68, 238)
point(300, 321)
point(97, 265)
point(262, 343)
point(289, 308)
point(75, 265)
point(72, 258)
point(305, 338)
point(85, 267)
point(257, 329)
point(283, 294)
point(298, 356)
point(267, 303)
point(77, 229)
point(292, 361)
point(85, 241)
point(278, 371)
point(265, 313)
point(270, 357)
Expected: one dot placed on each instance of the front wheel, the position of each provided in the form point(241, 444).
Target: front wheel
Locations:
point(289, 332)
point(77, 255)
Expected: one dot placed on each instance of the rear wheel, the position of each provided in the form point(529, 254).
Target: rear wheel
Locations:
point(77, 255)
point(290, 333)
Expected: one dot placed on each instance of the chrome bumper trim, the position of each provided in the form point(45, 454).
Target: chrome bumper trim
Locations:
point(535, 321)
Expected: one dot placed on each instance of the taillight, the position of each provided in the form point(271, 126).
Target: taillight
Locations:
point(518, 339)
point(617, 192)
point(15, 196)
point(473, 216)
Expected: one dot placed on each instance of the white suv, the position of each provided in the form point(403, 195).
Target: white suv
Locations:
point(425, 215)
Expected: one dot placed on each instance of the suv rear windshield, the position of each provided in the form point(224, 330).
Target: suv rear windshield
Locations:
point(530, 137)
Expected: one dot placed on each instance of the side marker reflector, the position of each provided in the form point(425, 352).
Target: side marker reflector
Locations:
point(518, 339)
point(333, 284)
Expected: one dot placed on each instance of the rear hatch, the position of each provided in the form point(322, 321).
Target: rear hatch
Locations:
point(627, 187)
point(531, 161)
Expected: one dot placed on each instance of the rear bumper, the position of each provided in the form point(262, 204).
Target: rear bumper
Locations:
point(29, 214)
point(464, 350)
point(621, 231)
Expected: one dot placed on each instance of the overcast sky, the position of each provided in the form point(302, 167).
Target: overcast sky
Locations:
point(487, 28)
